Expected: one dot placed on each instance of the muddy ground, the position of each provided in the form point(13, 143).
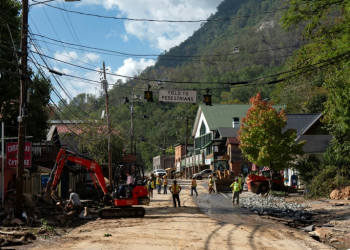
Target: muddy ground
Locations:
point(203, 222)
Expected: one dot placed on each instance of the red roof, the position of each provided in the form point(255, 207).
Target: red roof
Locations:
point(233, 140)
point(67, 128)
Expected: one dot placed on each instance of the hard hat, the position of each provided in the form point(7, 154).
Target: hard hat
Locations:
point(236, 178)
point(209, 176)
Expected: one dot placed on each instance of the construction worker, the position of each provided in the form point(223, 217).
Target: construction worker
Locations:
point(194, 186)
point(158, 184)
point(74, 201)
point(165, 184)
point(175, 189)
point(241, 181)
point(236, 188)
point(211, 184)
point(150, 187)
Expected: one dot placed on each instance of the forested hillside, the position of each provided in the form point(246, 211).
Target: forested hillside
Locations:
point(241, 42)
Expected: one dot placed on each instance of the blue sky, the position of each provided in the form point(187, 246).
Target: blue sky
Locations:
point(132, 37)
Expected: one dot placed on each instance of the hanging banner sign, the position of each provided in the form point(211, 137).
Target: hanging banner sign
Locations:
point(183, 96)
point(11, 154)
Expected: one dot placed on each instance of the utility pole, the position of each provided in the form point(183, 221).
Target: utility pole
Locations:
point(186, 140)
point(110, 176)
point(2, 162)
point(132, 123)
point(22, 110)
point(164, 154)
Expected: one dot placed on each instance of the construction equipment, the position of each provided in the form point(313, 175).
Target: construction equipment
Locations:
point(224, 177)
point(260, 184)
point(119, 204)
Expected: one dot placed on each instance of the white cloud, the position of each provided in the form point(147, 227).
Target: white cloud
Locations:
point(111, 33)
point(76, 58)
point(66, 57)
point(125, 38)
point(162, 35)
point(131, 68)
point(91, 57)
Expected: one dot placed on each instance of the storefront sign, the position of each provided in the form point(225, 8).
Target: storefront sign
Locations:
point(11, 154)
point(183, 96)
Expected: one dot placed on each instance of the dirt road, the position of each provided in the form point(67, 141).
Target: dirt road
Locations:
point(188, 227)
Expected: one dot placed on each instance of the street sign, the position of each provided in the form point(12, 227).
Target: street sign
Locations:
point(11, 154)
point(182, 96)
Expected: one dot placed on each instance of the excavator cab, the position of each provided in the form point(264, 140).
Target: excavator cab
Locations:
point(120, 187)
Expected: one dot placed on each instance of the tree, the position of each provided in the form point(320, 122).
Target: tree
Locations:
point(38, 86)
point(262, 139)
point(326, 56)
point(94, 138)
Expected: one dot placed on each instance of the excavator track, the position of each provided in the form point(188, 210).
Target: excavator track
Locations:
point(122, 212)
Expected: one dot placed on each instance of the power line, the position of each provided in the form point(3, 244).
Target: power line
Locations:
point(199, 82)
point(86, 122)
point(77, 38)
point(164, 20)
point(166, 55)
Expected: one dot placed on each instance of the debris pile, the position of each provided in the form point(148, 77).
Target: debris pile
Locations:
point(15, 238)
point(343, 194)
point(275, 206)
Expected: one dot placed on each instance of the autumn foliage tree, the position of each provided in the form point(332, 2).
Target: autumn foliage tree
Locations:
point(263, 139)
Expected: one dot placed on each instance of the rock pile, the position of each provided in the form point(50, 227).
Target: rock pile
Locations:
point(343, 194)
point(275, 206)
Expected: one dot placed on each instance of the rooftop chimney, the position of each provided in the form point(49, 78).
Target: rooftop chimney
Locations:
point(235, 122)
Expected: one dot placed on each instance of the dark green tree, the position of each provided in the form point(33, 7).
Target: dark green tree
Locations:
point(38, 86)
point(325, 58)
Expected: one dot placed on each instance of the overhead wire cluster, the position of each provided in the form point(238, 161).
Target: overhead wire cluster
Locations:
point(84, 49)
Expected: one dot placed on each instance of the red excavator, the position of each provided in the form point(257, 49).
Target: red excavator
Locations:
point(120, 201)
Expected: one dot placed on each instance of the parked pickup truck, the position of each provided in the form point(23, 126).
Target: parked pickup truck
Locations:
point(202, 174)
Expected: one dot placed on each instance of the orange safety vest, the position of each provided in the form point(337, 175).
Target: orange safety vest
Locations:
point(158, 181)
point(175, 188)
point(165, 182)
point(194, 183)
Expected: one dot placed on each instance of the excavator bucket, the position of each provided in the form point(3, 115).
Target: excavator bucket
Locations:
point(50, 198)
point(223, 185)
point(223, 181)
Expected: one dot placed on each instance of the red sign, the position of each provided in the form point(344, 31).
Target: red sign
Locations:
point(11, 154)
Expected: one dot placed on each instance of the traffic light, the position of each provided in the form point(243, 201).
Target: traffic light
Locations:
point(148, 95)
point(207, 99)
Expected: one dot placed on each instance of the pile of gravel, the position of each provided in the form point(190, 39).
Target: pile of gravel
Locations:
point(275, 206)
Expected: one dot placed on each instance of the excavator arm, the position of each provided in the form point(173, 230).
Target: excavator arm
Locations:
point(92, 166)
